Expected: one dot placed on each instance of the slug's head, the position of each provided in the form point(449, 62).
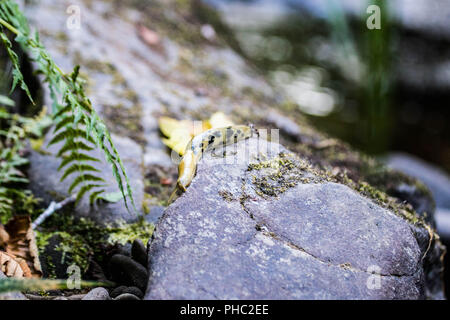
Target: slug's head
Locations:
point(254, 131)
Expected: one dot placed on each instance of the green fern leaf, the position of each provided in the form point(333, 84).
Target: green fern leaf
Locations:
point(14, 284)
point(76, 156)
point(17, 75)
point(70, 133)
point(85, 189)
point(94, 196)
point(61, 124)
point(73, 145)
point(83, 178)
point(78, 167)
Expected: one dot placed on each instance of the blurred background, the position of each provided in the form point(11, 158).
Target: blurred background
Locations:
point(380, 90)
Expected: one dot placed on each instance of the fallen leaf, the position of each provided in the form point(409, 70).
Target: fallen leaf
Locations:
point(219, 120)
point(111, 196)
point(4, 236)
point(180, 132)
point(22, 243)
point(13, 267)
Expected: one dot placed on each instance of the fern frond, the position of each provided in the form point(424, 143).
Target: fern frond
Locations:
point(77, 167)
point(17, 75)
point(28, 284)
point(70, 133)
point(87, 188)
point(73, 145)
point(73, 113)
point(76, 156)
point(83, 178)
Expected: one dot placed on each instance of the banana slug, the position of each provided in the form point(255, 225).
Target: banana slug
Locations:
point(203, 142)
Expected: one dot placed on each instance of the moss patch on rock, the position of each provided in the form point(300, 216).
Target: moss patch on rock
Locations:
point(80, 240)
point(277, 175)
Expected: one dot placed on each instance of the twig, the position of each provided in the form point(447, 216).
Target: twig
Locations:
point(51, 209)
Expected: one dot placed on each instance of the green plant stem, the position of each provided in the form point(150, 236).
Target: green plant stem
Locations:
point(17, 33)
point(9, 27)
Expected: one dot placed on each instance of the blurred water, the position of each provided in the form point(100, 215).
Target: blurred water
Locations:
point(380, 90)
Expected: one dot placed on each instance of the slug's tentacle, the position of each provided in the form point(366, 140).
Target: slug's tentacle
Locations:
point(203, 142)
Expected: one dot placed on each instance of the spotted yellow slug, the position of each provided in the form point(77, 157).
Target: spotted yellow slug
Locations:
point(203, 142)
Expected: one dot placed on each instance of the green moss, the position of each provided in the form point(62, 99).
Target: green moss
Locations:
point(277, 175)
point(73, 248)
point(226, 195)
point(51, 268)
point(123, 233)
point(403, 210)
point(82, 238)
point(42, 240)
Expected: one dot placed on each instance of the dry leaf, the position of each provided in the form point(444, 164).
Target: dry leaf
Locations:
point(22, 243)
point(219, 120)
point(13, 267)
point(180, 132)
point(4, 236)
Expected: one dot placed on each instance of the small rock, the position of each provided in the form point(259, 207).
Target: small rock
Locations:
point(125, 270)
point(127, 296)
point(76, 297)
point(97, 294)
point(118, 291)
point(139, 252)
point(60, 298)
point(36, 297)
point(123, 289)
point(124, 250)
point(96, 272)
point(208, 32)
point(11, 295)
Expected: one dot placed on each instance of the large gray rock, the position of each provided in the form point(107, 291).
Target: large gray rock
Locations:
point(276, 229)
point(97, 294)
point(45, 181)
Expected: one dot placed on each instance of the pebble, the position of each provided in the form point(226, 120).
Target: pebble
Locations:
point(123, 289)
point(76, 297)
point(127, 296)
point(126, 271)
point(97, 294)
point(139, 252)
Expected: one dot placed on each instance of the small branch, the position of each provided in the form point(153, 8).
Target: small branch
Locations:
point(51, 209)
